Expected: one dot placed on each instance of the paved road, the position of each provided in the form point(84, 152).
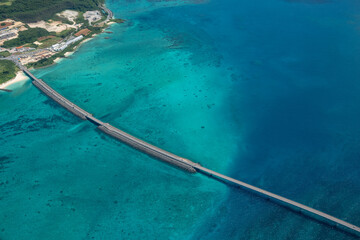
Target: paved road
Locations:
point(110, 14)
point(15, 58)
point(108, 11)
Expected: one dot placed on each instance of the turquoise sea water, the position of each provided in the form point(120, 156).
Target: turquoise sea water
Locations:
point(264, 91)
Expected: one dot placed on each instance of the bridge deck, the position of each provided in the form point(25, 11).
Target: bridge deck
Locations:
point(112, 131)
point(185, 163)
point(326, 218)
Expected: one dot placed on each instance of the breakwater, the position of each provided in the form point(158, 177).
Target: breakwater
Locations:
point(186, 164)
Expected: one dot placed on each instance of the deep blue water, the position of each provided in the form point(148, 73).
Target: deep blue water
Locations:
point(264, 91)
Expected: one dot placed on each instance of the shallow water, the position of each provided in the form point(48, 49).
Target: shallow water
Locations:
point(266, 92)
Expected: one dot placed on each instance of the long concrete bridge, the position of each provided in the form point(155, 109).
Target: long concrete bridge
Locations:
point(186, 164)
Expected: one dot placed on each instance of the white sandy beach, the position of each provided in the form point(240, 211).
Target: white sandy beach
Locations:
point(57, 60)
point(20, 76)
point(88, 39)
point(67, 54)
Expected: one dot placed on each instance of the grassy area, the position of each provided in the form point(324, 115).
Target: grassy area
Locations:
point(31, 45)
point(35, 10)
point(27, 36)
point(65, 33)
point(6, 2)
point(4, 54)
point(7, 70)
point(49, 42)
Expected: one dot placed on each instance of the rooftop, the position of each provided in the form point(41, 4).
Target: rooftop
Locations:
point(83, 32)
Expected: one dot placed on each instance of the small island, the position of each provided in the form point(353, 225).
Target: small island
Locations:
point(37, 33)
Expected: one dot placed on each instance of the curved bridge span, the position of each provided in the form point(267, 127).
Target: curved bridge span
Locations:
point(186, 164)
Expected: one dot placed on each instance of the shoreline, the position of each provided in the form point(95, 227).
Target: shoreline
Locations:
point(68, 54)
point(20, 77)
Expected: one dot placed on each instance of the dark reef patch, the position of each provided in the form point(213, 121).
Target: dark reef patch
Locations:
point(25, 125)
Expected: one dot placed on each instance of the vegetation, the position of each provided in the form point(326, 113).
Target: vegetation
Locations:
point(62, 19)
point(71, 48)
point(36, 10)
point(5, 54)
point(42, 63)
point(27, 36)
point(31, 45)
point(80, 18)
point(49, 42)
point(94, 30)
point(6, 2)
point(117, 20)
point(48, 61)
point(65, 33)
point(7, 70)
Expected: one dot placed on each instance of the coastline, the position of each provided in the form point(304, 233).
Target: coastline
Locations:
point(59, 59)
point(68, 54)
point(20, 76)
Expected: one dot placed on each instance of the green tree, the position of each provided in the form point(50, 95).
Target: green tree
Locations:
point(35, 10)
point(7, 70)
point(27, 36)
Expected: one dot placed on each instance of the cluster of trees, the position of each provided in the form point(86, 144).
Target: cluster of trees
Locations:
point(42, 63)
point(27, 36)
point(66, 32)
point(35, 10)
point(7, 70)
point(4, 54)
point(61, 19)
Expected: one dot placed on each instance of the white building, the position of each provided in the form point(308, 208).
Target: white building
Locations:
point(61, 46)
